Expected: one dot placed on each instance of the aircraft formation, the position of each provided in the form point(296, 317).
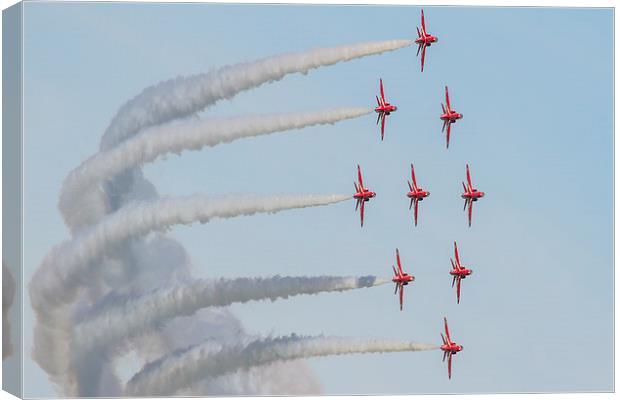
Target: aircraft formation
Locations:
point(416, 194)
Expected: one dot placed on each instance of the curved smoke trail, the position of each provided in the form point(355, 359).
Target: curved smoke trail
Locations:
point(123, 318)
point(164, 102)
point(67, 265)
point(175, 138)
point(71, 265)
point(184, 96)
point(169, 374)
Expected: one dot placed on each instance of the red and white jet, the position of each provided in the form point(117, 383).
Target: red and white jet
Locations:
point(424, 40)
point(449, 348)
point(362, 195)
point(470, 195)
point(458, 273)
point(384, 108)
point(448, 117)
point(416, 194)
point(401, 279)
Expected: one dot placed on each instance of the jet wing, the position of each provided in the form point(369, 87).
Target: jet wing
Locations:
point(415, 211)
point(456, 255)
point(448, 100)
point(445, 323)
point(415, 184)
point(382, 125)
point(362, 212)
point(468, 177)
point(400, 268)
point(359, 178)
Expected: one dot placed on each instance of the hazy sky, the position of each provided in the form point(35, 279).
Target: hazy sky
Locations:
point(535, 86)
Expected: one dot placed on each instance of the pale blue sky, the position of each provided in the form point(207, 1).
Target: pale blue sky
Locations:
point(535, 86)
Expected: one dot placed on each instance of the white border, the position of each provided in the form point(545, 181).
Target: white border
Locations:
point(486, 3)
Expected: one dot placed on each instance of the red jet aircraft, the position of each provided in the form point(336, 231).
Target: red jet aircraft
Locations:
point(384, 108)
point(470, 195)
point(449, 348)
point(416, 194)
point(448, 117)
point(458, 272)
point(401, 279)
point(424, 40)
point(362, 195)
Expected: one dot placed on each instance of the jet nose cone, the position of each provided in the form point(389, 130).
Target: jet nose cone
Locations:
point(428, 193)
point(395, 108)
point(373, 194)
point(481, 194)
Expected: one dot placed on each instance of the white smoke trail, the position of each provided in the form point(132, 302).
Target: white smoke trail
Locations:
point(67, 265)
point(175, 138)
point(70, 265)
point(123, 318)
point(184, 96)
point(161, 103)
point(177, 371)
